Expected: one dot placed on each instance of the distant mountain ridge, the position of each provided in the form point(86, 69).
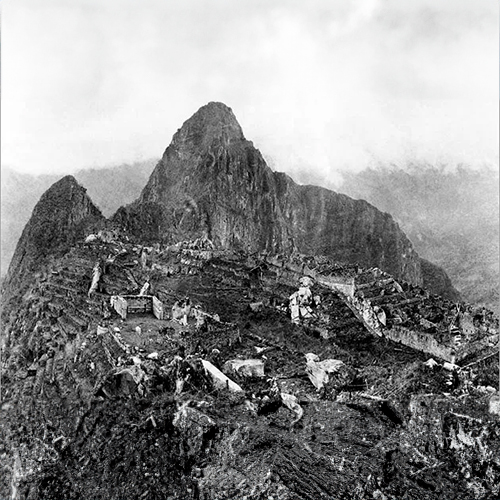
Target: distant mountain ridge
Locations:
point(451, 216)
point(344, 401)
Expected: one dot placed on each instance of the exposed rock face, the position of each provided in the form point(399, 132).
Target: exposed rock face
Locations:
point(436, 279)
point(323, 222)
point(212, 182)
point(451, 215)
point(58, 220)
point(81, 384)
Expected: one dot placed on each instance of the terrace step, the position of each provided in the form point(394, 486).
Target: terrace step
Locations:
point(58, 286)
point(76, 264)
point(68, 325)
point(28, 389)
point(414, 300)
point(93, 301)
point(76, 319)
point(72, 274)
point(375, 283)
point(86, 315)
point(81, 282)
point(383, 299)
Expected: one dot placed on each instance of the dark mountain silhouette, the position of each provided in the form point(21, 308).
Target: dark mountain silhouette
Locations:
point(344, 399)
point(59, 219)
point(95, 405)
point(109, 189)
point(20, 193)
point(213, 182)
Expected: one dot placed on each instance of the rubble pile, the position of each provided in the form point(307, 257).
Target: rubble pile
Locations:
point(227, 394)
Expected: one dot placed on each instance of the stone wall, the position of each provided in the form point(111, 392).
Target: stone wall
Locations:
point(363, 309)
point(137, 304)
point(470, 348)
point(290, 273)
point(340, 283)
point(421, 342)
point(366, 314)
point(158, 309)
point(119, 304)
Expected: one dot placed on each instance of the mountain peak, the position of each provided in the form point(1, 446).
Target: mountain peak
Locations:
point(214, 121)
point(67, 180)
point(212, 182)
point(58, 220)
point(63, 199)
point(216, 112)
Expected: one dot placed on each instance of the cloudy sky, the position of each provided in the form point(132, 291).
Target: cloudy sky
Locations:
point(319, 86)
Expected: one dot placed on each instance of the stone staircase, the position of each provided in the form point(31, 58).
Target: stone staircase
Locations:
point(65, 313)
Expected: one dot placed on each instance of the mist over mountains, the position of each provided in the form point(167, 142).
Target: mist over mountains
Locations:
point(213, 182)
point(450, 215)
point(94, 360)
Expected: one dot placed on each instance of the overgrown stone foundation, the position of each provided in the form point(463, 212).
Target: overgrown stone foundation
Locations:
point(137, 304)
point(454, 342)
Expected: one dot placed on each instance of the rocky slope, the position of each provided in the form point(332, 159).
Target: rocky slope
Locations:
point(348, 230)
point(94, 406)
point(20, 194)
point(213, 182)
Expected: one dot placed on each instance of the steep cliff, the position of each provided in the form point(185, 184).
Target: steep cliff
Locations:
point(435, 278)
point(213, 182)
point(58, 220)
point(323, 222)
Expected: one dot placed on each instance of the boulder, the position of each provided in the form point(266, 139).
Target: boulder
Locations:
point(220, 380)
point(256, 306)
point(327, 374)
point(130, 379)
point(291, 402)
point(90, 238)
point(194, 426)
point(245, 367)
point(431, 363)
point(494, 406)
point(186, 418)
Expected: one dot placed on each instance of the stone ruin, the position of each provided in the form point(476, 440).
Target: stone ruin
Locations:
point(380, 303)
point(138, 304)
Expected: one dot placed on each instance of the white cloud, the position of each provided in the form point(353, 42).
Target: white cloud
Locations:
point(318, 86)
